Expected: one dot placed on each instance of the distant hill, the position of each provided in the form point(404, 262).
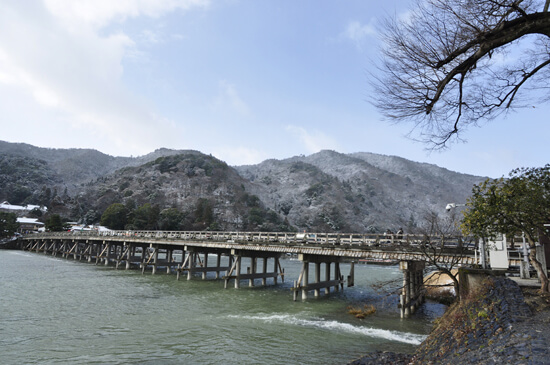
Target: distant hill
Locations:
point(356, 192)
point(326, 191)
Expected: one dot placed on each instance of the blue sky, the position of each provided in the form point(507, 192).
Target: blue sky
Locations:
point(243, 80)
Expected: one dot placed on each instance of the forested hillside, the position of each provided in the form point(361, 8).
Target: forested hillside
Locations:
point(169, 189)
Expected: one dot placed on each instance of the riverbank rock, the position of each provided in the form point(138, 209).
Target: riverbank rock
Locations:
point(439, 284)
point(493, 325)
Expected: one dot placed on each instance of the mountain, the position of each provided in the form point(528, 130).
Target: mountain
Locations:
point(361, 192)
point(326, 191)
point(68, 168)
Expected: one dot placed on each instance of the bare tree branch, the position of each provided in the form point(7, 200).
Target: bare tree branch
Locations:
point(437, 65)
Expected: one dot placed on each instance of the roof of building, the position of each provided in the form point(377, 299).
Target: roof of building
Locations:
point(29, 221)
point(6, 205)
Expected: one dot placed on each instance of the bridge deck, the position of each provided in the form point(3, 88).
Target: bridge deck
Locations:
point(350, 246)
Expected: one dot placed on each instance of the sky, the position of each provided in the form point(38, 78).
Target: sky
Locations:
point(243, 80)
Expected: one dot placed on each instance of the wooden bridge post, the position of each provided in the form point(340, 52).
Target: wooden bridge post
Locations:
point(99, 249)
point(107, 253)
point(338, 277)
point(181, 264)
point(264, 270)
point(406, 311)
point(252, 270)
point(317, 291)
point(64, 248)
point(305, 278)
point(191, 264)
point(129, 254)
point(238, 271)
point(52, 247)
point(205, 264)
point(144, 259)
point(351, 276)
point(169, 259)
point(228, 271)
point(218, 264)
point(412, 294)
point(118, 257)
point(155, 260)
point(275, 267)
point(327, 276)
point(89, 251)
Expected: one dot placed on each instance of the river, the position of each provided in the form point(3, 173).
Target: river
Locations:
point(59, 311)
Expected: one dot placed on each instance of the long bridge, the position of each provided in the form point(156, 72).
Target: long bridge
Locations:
point(188, 253)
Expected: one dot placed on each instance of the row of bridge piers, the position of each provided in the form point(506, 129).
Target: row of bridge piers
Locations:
point(192, 260)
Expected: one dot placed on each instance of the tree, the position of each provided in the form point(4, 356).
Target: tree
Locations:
point(520, 203)
point(444, 67)
point(171, 219)
point(115, 216)
point(442, 238)
point(8, 224)
point(146, 217)
point(35, 213)
point(204, 213)
point(54, 223)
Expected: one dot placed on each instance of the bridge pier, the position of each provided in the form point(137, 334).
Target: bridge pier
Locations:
point(88, 252)
point(303, 284)
point(412, 293)
point(107, 254)
point(192, 257)
point(252, 271)
point(156, 257)
point(218, 264)
point(124, 255)
point(147, 254)
point(169, 260)
point(192, 263)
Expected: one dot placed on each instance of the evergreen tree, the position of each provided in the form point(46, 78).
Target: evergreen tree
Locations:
point(54, 223)
point(115, 216)
point(8, 224)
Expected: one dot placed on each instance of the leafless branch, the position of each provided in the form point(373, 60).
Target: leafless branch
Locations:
point(435, 65)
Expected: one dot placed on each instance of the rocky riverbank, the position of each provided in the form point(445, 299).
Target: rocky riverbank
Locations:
point(497, 324)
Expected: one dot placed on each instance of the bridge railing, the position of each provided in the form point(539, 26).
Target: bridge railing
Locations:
point(290, 238)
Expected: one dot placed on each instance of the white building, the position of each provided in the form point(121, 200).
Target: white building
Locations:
point(30, 225)
point(20, 209)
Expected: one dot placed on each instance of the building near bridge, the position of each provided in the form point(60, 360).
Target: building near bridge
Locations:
point(28, 225)
point(20, 210)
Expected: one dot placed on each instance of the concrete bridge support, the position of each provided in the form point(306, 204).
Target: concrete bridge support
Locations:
point(412, 294)
point(303, 284)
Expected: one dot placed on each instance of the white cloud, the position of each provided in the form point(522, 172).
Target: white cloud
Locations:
point(98, 13)
point(54, 55)
point(358, 33)
point(228, 97)
point(405, 16)
point(312, 141)
point(239, 155)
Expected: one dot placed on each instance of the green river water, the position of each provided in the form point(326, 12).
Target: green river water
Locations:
point(59, 311)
